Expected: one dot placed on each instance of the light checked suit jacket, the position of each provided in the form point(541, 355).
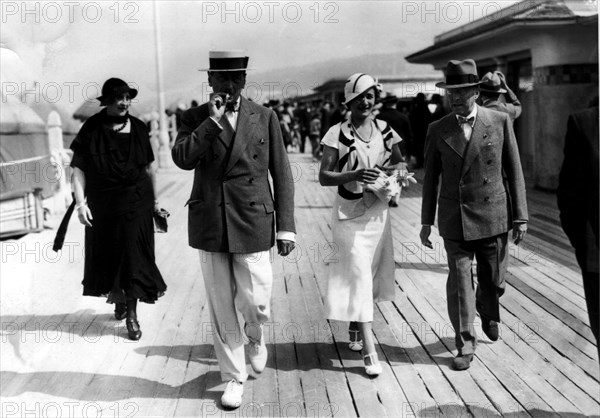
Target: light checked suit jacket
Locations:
point(482, 185)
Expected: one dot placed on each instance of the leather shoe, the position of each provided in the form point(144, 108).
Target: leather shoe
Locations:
point(462, 362)
point(490, 328)
point(120, 311)
point(133, 329)
point(232, 396)
point(257, 352)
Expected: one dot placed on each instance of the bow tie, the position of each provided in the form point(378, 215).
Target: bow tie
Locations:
point(462, 120)
point(231, 107)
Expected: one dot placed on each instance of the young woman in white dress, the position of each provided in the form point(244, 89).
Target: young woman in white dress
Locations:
point(364, 270)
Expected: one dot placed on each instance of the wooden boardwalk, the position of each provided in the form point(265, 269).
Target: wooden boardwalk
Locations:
point(65, 355)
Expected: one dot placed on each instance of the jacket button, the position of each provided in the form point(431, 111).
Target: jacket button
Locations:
point(486, 199)
point(485, 180)
point(224, 181)
point(262, 141)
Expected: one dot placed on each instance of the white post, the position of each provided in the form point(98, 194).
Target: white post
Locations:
point(164, 150)
point(59, 157)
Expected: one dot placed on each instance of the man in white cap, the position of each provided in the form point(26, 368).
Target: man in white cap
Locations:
point(482, 197)
point(233, 145)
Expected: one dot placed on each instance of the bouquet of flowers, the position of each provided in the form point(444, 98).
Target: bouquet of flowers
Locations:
point(388, 185)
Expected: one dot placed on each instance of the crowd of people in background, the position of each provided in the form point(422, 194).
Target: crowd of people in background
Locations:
point(306, 123)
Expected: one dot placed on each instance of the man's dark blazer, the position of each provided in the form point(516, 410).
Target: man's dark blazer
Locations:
point(577, 192)
point(231, 207)
point(482, 186)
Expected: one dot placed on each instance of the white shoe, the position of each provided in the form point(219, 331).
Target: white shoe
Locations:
point(257, 352)
point(232, 396)
point(373, 369)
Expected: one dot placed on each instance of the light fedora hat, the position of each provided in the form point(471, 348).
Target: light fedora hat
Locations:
point(230, 60)
point(490, 82)
point(460, 74)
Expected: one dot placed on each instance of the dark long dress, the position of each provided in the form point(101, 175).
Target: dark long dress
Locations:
point(119, 247)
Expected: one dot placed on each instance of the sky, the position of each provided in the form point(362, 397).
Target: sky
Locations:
point(63, 51)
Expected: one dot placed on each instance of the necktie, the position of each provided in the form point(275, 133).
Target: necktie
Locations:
point(231, 107)
point(466, 124)
point(462, 120)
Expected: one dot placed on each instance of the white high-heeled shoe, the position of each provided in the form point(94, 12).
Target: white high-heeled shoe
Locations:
point(355, 343)
point(373, 369)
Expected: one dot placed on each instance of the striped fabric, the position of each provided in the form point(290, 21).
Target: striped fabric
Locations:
point(348, 160)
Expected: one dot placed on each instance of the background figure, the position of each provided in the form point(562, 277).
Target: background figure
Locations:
point(495, 94)
point(577, 197)
point(360, 222)
point(339, 114)
point(397, 121)
point(233, 145)
point(474, 152)
point(420, 117)
point(115, 191)
point(440, 108)
point(315, 134)
point(325, 118)
point(302, 117)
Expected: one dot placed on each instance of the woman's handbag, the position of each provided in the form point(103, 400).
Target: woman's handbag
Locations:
point(160, 220)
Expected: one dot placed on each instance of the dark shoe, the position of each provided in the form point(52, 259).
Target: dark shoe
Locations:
point(120, 311)
point(490, 328)
point(133, 329)
point(462, 362)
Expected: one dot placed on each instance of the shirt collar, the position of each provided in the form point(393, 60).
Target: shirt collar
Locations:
point(473, 114)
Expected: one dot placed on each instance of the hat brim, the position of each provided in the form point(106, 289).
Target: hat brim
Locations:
point(224, 71)
point(132, 93)
point(443, 85)
point(500, 90)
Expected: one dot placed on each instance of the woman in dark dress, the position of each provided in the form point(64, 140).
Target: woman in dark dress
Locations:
point(115, 188)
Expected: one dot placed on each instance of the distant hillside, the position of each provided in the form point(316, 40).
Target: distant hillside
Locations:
point(301, 80)
point(311, 76)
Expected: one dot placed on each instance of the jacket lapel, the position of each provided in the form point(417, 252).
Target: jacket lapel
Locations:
point(454, 136)
point(478, 138)
point(245, 126)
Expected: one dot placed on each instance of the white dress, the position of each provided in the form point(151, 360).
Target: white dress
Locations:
point(362, 271)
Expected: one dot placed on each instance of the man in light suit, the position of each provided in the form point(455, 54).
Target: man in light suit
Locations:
point(482, 196)
point(577, 197)
point(232, 144)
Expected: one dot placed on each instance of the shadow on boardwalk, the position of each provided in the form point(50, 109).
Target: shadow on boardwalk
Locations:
point(58, 347)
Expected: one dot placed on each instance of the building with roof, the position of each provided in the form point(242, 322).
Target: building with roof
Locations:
point(400, 86)
point(548, 50)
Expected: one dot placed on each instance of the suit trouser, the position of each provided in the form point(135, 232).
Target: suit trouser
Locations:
point(591, 289)
point(236, 282)
point(463, 300)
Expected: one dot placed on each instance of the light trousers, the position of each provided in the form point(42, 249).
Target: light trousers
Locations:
point(236, 283)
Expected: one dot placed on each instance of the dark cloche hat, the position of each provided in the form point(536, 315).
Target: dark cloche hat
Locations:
point(113, 87)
